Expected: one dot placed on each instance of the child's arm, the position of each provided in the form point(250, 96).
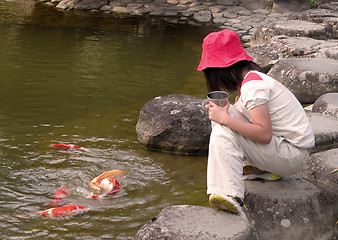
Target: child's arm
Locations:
point(259, 130)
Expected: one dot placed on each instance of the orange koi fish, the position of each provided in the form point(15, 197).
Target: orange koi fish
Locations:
point(58, 198)
point(68, 146)
point(110, 185)
point(108, 174)
point(63, 212)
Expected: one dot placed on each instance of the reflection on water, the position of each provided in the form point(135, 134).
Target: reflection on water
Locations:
point(68, 78)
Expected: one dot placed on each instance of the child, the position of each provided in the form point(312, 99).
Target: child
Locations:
point(267, 126)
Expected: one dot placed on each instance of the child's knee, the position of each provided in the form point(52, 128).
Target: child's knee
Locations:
point(221, 133)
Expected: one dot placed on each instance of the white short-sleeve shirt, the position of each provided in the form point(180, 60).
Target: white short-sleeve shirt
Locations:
point(288, 118)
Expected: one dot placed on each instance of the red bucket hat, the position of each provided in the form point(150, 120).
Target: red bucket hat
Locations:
point(222, 49)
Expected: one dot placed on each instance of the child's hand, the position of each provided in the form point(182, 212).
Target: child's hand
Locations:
point(218, 114)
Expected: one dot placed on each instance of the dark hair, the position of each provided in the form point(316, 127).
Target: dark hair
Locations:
point(228, 78)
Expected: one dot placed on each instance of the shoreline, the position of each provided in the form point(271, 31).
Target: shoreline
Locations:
point(244, 17)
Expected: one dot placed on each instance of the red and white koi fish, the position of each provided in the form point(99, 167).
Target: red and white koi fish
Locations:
point(58, 198)
point(68, 146)
point(108, 174)
point(64, 211)
point(111, 187)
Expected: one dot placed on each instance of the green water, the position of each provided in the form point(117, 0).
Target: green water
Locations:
point(82, 79)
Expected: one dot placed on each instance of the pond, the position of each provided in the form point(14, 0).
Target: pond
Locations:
point(82, 78)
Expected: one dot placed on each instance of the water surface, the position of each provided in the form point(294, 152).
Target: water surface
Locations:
point(82, 78)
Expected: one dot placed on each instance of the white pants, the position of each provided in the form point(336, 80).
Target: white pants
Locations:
point(228, 149)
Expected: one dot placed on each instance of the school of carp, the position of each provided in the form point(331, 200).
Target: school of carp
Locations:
point(105, 183)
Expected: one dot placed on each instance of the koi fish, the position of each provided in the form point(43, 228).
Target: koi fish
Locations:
point(63, 212)
point(58, 198)
point(110, 185)
point(108, 174)
point(68, 146)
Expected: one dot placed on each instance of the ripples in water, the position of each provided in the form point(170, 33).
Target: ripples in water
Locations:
point(84, 83)
point(137, 200)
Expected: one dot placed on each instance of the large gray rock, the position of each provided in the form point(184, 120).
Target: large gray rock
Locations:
point(293, 28)
point(327, 104)
point(195, 222)
point(175, 123)
point(291, 208)
point(307, 78)
point(279, 47)
point(320, 170)
point(325, 129)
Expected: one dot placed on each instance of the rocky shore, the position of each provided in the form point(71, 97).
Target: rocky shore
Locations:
point(296, 45)
point(230, 14)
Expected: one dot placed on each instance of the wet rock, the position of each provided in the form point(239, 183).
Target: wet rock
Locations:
point(176, 123)
point(65, 4)
point(293, 28)
point(291, 208)
point(307, 78)
point(326, 131)
point(279, 47)
point(327, 104)
point(320, 170)
point(119, 9)
point(195, 222)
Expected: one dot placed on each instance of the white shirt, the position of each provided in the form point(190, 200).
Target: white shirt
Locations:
point(288, 118)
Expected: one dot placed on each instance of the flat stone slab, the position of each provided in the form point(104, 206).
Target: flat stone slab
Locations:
point(307, 78)
point(325, 129)
point(293, 28)
point(320, 170)
point(291, 208)
point(327, 14)
point(281, 46)
point(196, 222)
